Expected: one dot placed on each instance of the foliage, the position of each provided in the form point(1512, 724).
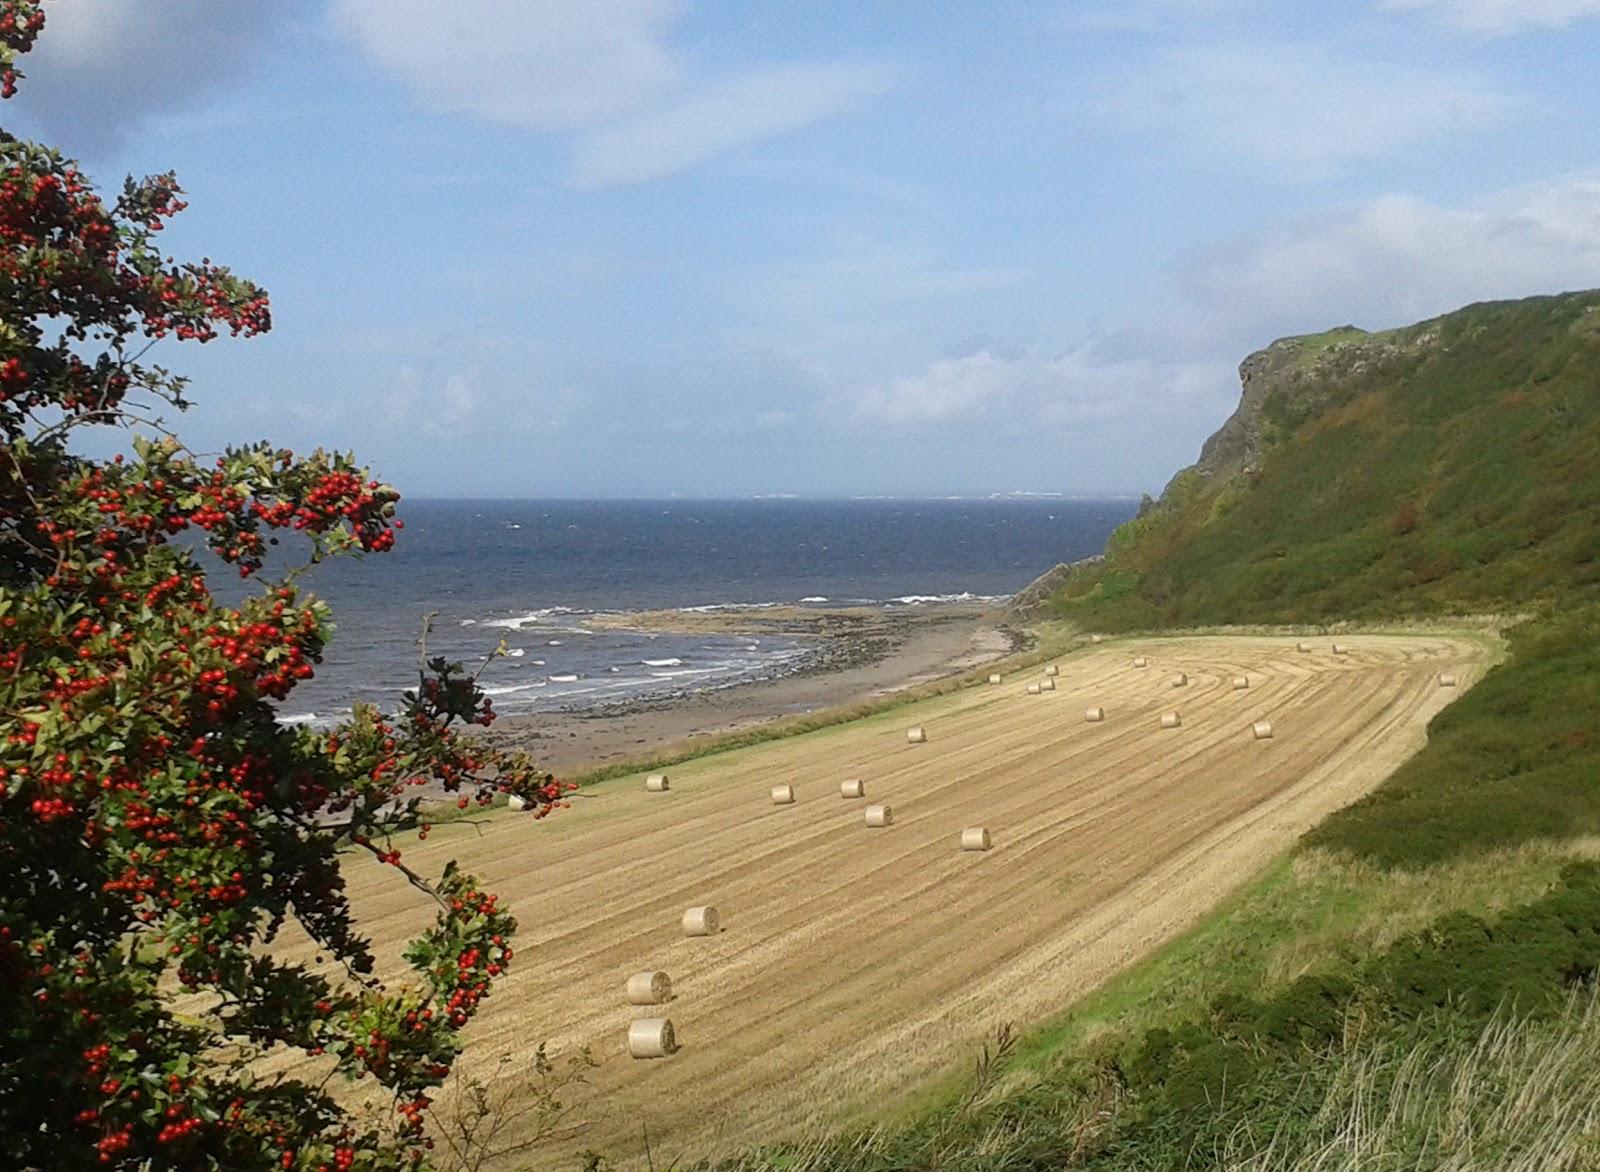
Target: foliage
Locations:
point(1258, 1063)
point(1514, 760)
point(1449, 467)
point(158, 828)
point(1519, 1097)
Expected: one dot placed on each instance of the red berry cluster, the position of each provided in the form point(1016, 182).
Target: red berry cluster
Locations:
point(20, 23)
point(161, 827)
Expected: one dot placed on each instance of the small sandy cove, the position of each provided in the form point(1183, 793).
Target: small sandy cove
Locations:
point(855, 962)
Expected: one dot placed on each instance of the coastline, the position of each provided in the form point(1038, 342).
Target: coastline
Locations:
point(860, 654)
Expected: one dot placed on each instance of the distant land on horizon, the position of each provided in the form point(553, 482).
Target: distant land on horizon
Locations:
point(1015, 495)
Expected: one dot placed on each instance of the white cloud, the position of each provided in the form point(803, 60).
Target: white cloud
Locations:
point(420, 403)
point(1076, 390)
point(716, 118)
point(1143, 393)
point(102, 66)
point(1501, 17)
point(546, 64)
point(972, 385)
point(1293, 105)
point(603, 69)
point(481, 402)
point(1397, 259)
point(458, 400)
point(867, 289)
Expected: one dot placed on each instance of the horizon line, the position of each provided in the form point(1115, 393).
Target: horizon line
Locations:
point(787, 496)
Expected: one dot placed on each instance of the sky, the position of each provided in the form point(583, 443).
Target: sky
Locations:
point(645, 248)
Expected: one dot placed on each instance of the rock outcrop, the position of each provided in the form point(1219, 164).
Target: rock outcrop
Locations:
point(1029, 602)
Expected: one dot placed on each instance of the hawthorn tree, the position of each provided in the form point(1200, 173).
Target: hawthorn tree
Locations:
point(158, 827)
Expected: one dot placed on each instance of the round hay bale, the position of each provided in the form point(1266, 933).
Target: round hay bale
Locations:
point(517, 802)
point(879, 815)
point(1302, 647)
point(854, 788)
point(651, 1037)
point(1171, 720)
point(656, 783)
point(1094, 638)
point(1262, 730)
point(1141, 661)
point(975, 838)
point(1180, 680)
point(701, 921)
point(1035, 688)
point(649, 988)
point(1052, 670)
point(1094, 715)
point(1047, 685)
point(1340, 649)
point(1240, 683)
point(783, 795)
point(994, 677)
point(1447, 681)
point(915, 736)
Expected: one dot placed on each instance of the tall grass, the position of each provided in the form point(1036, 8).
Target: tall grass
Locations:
point(1312, 912)
point(1522, 1096)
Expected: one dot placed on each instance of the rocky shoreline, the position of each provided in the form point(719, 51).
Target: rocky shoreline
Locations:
point(859, 653)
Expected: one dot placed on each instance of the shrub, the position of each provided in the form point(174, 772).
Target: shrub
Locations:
point(157, 826)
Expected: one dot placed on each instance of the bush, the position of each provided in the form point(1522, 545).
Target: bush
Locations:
point(1515, 759)
point(158, 828)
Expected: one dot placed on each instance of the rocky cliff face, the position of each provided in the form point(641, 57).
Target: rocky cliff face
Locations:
point(1233, 449)
point(1031, 599)
point(1236, 443)
point(1305, 370)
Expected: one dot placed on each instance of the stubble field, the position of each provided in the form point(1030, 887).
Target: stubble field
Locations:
point(856, 962)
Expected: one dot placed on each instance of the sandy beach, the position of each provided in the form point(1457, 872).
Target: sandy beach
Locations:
point(859, 653)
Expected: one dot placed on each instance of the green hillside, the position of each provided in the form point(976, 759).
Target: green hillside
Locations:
point(1415, 985)
point(1450, 466)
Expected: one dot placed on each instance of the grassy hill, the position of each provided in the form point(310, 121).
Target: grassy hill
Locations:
point(1450, 466)
point(1445, 468)
point(1415, 985)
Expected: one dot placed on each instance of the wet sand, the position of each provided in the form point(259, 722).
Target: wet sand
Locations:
point(860, 653)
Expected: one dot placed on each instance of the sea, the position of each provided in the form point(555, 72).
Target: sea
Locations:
point(524, 575)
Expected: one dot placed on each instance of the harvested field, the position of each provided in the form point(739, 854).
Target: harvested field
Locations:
point(854, 962)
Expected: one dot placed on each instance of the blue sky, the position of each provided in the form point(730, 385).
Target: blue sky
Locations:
point(655, 247)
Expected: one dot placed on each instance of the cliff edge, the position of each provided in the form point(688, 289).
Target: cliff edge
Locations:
point(1417, 470)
